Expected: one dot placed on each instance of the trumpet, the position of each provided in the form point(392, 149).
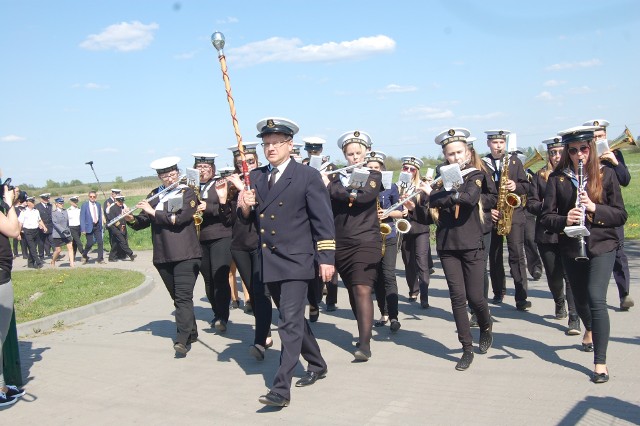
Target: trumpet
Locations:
point(174, 185)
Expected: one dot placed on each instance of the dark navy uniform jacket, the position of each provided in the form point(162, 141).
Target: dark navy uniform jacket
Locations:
point(560, 197)
point(294, 222)
point(535, 202)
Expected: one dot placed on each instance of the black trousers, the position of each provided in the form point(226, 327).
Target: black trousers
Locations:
point(517, 265)
point(94, 237)
point(245, 266)
point(261, 302)
point(23, 246)
point(180, 278)
point(32, 236)
point(556, 277)
point(589, 282)
point(119, 245)
point(295, 334)
point(216, 261)
point(45, 242)
point(463, 271)
point(415, 255)
point(621, 266)
point(530, 247)
point(386, 286)
point(77, 241)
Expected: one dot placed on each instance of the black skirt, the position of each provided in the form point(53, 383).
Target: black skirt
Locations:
point(358, 264)
point(59, 242)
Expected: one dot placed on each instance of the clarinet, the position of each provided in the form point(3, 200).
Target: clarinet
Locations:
point(582, 251)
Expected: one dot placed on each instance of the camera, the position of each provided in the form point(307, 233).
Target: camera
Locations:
point(21, 196)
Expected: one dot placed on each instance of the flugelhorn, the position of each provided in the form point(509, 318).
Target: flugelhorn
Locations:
point(625, 138)
point(153, 197)
point(535, 157)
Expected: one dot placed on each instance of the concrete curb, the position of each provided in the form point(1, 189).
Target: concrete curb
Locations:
point(78, 314)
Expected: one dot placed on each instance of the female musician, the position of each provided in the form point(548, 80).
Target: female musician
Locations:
point(244, 250)
point(215, 238)
point(415, 246)
point(458, 215)
point(358, 243)
point(547, 242)
point(386, 285)
point(176, 248)
point(599, 206)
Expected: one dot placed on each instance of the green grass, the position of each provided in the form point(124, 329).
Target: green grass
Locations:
point(45, 292)
point(631, 195)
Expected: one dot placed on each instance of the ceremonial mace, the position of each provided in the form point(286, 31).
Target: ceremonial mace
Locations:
point(90, 163)
point(217, 39)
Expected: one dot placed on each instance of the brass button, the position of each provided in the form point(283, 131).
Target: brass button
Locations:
point(261, 215)
point(280, 203)
point(273, 216)
point(262, 231)
point(273, 247)
point(264, 245)
point(273, 232)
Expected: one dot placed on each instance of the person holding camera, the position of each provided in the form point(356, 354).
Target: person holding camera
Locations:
point(9, 228)
point(61, 232)
point(31, 223)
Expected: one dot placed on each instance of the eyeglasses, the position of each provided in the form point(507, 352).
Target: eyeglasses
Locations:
point(92, 196)
point(583, 149)
point(168, 175)
point(409, 169)
point(554, 152)
point(248, 161)
point(274, 144)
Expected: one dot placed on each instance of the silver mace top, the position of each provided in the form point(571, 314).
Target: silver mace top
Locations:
point(217, 39)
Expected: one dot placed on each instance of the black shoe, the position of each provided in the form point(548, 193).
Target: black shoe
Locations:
point(380, 323)
point(432, 271)
point(234, 304)
point(424, 304)
point(465, 361)
point(311, 377)
point(600, 377)
point(331, 307)
point(523, 305)
point(133, 257)
point(274, 400)
point(248, 308)
point(497, 299)
point(473, 322)
point(113, 260)
point(221, 326)
point(395, 325)
point(561, 311)
point(314, 314)
point(361, 355)
point(626, 302)
point(537, 274)
point(257, 352)
point(486, 339)
point(574, 327)
point(587, 347)
point(181, 350)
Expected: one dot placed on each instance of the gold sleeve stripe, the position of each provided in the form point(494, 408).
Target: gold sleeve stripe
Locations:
point(326, 245)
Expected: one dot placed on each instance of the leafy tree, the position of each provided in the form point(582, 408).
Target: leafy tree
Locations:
point(119, 179)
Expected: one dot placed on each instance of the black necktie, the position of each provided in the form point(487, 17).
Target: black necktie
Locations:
point(272, 178)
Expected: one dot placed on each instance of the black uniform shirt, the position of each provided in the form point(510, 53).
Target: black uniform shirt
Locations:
point(217, 219)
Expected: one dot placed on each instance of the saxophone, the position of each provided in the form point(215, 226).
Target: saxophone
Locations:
point(507, 201)
point(385, 229)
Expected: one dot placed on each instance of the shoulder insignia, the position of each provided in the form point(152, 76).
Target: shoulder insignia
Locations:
point(479, 183)
point(561, 178)
point(372, 184)
point(193, 203)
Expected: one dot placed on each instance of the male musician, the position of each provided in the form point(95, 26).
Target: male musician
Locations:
point(215, 239)
point(45, 241)
point(293, 213)
point(91, 227)
point(118, 230)
point(615, 160)
point(31, 224)
point(74, 224)
point(516, 183)
point(109, 201)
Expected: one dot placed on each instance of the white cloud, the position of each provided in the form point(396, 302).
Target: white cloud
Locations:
point(428, 113)
point(482, 117)
point(553, 83)
point(123, 37)
point(278, 49)
point(582, 90)
point(395, 88)
point(546, 96)
point(228, 20)
point(12, 138)
point(90, 86)
point(570, 65)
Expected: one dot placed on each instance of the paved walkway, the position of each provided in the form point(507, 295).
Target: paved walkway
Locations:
point(119, 368)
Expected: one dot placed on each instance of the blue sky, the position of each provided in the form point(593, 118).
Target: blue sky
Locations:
point(124, 82)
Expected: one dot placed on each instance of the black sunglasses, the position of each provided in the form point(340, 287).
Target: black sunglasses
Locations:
point(583, 149)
